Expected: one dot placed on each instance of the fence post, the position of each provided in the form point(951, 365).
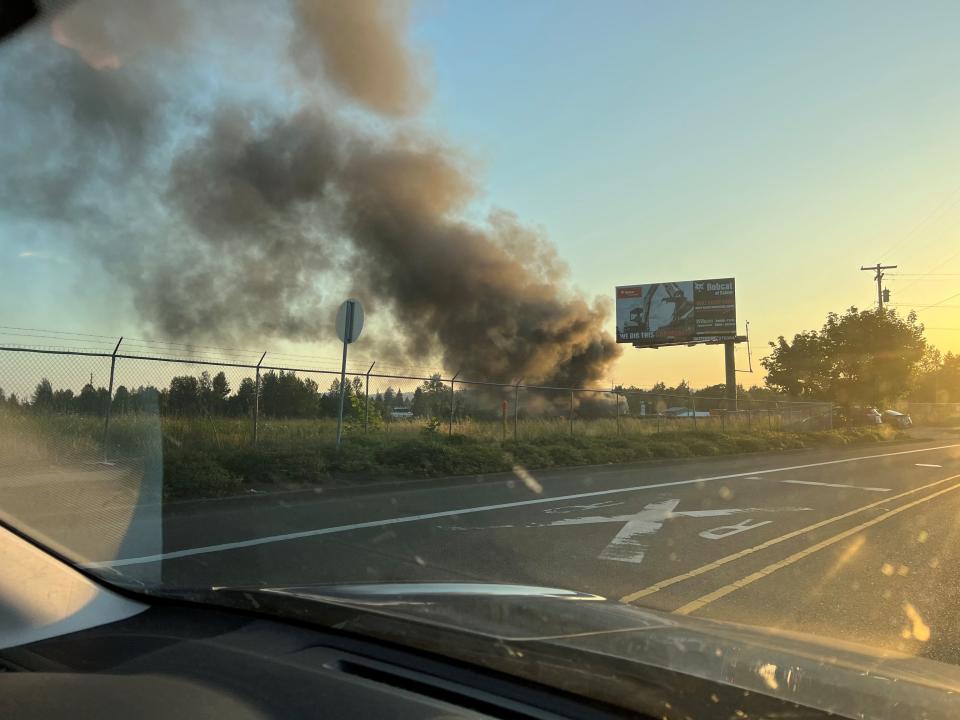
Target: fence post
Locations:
point(618, 411)
point(723, 420)
point(453, 400)
point(256, 399)
point(693, 407)
point(106, 420)
point(366, 399)
point(571, 413)
point(516, 410)
point(503, 418)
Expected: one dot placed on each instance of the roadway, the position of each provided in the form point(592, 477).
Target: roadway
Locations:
point(855, 544)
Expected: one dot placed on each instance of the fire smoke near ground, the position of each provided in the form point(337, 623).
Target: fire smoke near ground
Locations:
point(230, 214)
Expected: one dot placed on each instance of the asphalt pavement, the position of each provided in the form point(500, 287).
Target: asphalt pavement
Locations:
point(855, 543)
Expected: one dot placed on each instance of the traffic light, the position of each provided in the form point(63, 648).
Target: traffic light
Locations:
point(886, 295)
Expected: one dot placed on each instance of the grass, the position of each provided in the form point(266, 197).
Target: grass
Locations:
point(214, 456)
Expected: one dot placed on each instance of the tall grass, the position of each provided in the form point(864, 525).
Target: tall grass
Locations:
point(209, 456)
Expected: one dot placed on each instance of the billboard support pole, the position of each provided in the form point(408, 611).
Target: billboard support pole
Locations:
point(730, 364)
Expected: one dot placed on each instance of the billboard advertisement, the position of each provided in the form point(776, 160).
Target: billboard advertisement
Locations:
point(692, 311)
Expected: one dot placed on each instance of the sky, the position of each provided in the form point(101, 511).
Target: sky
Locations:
point(781, 144)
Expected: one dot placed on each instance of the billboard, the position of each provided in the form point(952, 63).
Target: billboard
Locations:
point(693, 311)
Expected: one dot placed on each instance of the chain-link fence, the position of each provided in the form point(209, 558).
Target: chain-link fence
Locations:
point(923, 413)
point(101, 403)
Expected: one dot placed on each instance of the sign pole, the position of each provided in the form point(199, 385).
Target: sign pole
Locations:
point(347, 337)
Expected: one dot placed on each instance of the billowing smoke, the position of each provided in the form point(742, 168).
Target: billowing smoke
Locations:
point(231, 216)
point(359, 50)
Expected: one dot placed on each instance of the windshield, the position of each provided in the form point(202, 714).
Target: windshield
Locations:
point(655, 302)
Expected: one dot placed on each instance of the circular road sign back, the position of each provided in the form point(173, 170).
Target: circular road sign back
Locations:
point(349, 320)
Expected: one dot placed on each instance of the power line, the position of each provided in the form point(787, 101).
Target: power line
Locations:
point(923, 274)
point(939, 210)
point(941, 303)
point(57, 332)
point(930, 271)
point(165, 349)
point(924, 307)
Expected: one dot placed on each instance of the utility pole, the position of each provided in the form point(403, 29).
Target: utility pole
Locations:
point(878, 269)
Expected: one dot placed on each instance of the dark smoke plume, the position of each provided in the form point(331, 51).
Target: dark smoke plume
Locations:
point(253, 209)
point(360, 51)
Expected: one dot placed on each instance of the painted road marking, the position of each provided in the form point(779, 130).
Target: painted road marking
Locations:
point(724, 531)
point(928, 465)
point(705, 600)
point(769, 543)
point(253, 542)
point(629, 544)
point(835, 485)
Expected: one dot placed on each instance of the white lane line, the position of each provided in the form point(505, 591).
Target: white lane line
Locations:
point(835, 485)
point(928, 465)
point(253, 542)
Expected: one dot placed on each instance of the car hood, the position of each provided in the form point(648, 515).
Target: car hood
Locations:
point(832, 676)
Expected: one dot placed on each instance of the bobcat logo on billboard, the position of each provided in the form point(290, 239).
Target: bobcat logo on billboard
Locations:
point(677, 312)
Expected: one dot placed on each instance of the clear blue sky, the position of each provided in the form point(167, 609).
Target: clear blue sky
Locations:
point(781, 143)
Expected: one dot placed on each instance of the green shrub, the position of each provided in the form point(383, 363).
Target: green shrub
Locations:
point(197, 475)
point(529, 454)
point(748, 443)
point(273, 466)
point(668, 449)
point(562, 454)
point(701, 446)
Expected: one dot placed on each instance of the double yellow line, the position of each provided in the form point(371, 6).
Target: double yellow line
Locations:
point(704, 600)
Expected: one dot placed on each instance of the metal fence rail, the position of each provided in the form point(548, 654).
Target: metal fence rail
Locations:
point(263, 400)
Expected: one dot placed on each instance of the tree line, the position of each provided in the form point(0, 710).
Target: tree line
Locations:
point(860, 357)
point(288, 395)
point(281, 394)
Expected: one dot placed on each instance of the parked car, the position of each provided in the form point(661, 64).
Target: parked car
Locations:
point(897, 419)
point(684, 412)
point(855, 416)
